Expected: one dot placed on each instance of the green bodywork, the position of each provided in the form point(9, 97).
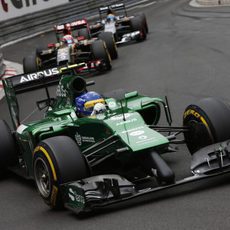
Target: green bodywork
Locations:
point(122, 128)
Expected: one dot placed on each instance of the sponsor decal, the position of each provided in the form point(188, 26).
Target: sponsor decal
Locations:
point(133, 129)
point(37, 75)
point(193, 112)
point(61, 91)
point(117, 5)
point(75, 197)
point(144, 139)
point(78, 23)
point(197, 115)
point(126, 122)
point(137, 133)
point(80, 139)
point(120, 117)
point(63, 54)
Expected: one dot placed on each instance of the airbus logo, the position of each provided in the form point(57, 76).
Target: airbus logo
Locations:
point(37, 75)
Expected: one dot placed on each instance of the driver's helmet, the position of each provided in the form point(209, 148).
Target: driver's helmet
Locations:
point(111, 18)
point(99, 108)
point(68, 40)
point(67, 29)
point(85, 103)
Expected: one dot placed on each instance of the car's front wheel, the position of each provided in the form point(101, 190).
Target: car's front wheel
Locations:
point(208, 122)
point(57, 160)
point(100, 52)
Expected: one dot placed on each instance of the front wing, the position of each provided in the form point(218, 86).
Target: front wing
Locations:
point(98, 191)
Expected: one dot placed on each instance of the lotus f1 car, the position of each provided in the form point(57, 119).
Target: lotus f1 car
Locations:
point(96, 53)
point(125, 28)
point(87, 162)
point(80, 30)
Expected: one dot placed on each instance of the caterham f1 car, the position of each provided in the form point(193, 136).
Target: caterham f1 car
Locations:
point(86, 162)
point(114, 18)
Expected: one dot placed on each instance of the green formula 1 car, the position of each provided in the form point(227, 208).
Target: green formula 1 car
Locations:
point(86, 162)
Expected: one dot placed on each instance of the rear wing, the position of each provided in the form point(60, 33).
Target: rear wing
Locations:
point(41, 79)
point(28, 82)
point(115, 7)
point(74, 25)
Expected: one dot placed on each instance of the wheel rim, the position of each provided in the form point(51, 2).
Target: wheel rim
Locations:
point(42, 177)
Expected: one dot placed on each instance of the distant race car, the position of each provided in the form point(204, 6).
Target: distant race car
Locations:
point(114, 18)
point(80, 30)
point(114, 155)
point(96, 53)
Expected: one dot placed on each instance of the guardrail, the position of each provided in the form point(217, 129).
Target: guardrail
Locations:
point(30, 24)
point(2, 66)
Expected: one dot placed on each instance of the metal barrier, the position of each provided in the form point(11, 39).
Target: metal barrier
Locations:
point(30, 24)
point(2, 66)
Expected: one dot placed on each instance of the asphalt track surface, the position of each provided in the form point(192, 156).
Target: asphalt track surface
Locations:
point(186, 57)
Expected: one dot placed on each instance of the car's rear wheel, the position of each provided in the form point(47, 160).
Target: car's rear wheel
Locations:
point(137, 25)
point(8, 154)
point(100, 52)
point(30, 63)
point(109, 40)
point(144, 21)
point(208, 122)
point(57, 160)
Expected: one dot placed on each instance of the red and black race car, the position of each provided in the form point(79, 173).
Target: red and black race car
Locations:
point(74, 47)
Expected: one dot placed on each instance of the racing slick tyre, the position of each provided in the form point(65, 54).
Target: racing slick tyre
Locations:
point(137, 25)
point(40, 49)
point(208, 122)
point(30, 64)
point(84, 32)
point(57, 160)
point(100, 52)
point(144, 21)
point(8, 155)
point(108, 38)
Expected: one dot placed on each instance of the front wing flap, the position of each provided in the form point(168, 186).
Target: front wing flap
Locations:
point(212, 158)
point(84, 195)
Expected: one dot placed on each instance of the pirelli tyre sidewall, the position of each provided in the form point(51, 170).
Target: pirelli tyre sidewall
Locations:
point(109, 40)
point(57, 160)
point(136, 24)
point(31, 63)
point(144, 20)
point(208, 122)
point(100, 52)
